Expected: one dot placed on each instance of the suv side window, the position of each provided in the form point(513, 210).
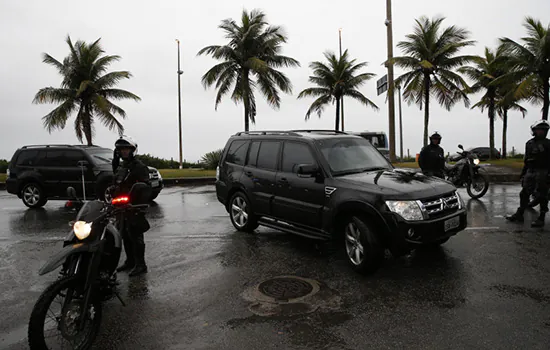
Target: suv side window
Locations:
point(269, 155)
point(71, 158)
point(294, 154)
point(253, 153)
point(27, 158)
point(53, 158)
point(237, 152)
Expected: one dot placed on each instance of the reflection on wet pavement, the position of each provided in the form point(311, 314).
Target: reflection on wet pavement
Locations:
point(488, 287)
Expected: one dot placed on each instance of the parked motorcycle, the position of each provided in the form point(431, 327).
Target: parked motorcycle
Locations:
point(465, 173)
point(68, 313)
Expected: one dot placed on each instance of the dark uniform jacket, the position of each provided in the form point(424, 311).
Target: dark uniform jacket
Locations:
point(432, 159)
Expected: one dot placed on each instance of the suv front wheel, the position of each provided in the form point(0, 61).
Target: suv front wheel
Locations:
point(33, 196)
point(363, 249)
point(241, 213)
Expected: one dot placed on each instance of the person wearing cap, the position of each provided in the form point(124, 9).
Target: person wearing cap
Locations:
point(127, 173)
point(432, 157)
point(534, 174)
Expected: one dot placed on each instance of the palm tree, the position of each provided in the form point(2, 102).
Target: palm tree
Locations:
point(85, 87)
point(483, 73)
point(504, 105)
point(431, 57)
point(250, 59)
point(530, 64)
point(336, 79)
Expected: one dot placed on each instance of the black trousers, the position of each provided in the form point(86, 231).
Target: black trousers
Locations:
point(135, 225)
point(534, 183)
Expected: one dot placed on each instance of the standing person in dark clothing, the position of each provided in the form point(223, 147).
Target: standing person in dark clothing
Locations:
point(432, 158)
point(129, 172)
point(535, 173)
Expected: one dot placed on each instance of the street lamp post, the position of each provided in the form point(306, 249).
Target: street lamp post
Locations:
point(391, 104)
point(180, 72)
point(342, 97)
point(400, 124)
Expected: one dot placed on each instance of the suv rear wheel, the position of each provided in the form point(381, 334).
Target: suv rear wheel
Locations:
point(363, 249)
point(33, 195)
point(241, 213)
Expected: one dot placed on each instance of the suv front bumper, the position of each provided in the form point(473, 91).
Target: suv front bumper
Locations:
point(416, 233)
point(11, 186)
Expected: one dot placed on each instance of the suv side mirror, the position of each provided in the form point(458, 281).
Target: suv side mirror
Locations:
point(71, 192)
point(305, 170)
point(460, 146)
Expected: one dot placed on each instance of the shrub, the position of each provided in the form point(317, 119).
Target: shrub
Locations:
point(3, 166)
point(211, 159)
point(161, 163)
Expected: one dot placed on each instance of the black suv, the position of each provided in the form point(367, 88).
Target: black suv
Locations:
point(39, 173)
point(334, 186)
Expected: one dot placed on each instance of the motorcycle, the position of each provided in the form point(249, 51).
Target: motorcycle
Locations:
point(465, 173)
point(69, 311)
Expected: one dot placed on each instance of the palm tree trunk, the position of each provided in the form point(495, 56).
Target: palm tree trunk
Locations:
point(426, 106)
point(504, 130)
point(87, 125)
point(337, 121)
point(491, 128)
point(546, 105)
point(342, 112)
point(246, 101)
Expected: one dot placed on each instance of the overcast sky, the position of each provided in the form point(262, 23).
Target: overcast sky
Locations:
point(144, 33)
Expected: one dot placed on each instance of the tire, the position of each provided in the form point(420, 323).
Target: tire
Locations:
point(482, 178)
point(358, 235)
point(33, 195)
point(41, 308)
point(155, 195)
point(240, 213)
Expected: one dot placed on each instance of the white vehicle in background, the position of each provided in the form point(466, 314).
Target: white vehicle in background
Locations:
point(378, 139)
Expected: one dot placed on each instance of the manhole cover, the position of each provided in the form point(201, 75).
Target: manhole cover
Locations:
point(285, 288)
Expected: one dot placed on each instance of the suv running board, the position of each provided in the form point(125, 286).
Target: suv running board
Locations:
point(289, 228)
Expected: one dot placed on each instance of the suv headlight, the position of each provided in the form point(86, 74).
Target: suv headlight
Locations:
point(461, 203)
point(82, 229)
point(158, 174)
point(408, 210)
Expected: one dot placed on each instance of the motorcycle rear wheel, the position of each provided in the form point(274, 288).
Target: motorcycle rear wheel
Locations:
point(42, 311)
point(478, 186)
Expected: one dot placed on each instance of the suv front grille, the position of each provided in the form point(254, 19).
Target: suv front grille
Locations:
point(442, 206)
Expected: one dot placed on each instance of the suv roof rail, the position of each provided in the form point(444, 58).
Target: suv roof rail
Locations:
point(321, 130)
point(267, 132)
point(37, 146)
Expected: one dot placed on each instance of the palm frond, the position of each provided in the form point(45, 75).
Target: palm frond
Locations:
point(318, 106)
point(118, 94)
point(358, 96)
point(53, 95)
point(57, 118)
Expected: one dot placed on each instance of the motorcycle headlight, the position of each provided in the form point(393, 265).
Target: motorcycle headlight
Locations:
point(476, 161)
point(408, 210)
point(82, 229)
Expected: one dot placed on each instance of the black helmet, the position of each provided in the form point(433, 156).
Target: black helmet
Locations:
point(436, 136)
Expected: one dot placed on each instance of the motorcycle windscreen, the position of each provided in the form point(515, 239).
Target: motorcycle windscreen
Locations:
point(90, 211)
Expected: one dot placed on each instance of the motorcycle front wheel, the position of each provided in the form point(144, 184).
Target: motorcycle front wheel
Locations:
point(55, 318)
point(478, 186)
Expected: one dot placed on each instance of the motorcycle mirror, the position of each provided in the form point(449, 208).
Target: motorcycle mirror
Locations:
point(71, 192)
point(460, 146)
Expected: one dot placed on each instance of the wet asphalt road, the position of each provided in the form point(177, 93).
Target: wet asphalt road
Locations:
point(487, 288)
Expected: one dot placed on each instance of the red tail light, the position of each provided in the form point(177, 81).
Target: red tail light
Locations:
point(120, 200)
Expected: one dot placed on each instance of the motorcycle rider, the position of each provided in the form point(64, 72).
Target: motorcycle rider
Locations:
point(432, 157)
point(131, 171)
point(534, 173)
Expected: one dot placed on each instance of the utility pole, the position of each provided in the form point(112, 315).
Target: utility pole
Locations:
point(342, 97)
point(400, 124)
point(391, 100)
point(180, 72)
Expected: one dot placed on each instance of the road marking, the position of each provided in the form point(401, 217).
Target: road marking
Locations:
point(483, 228)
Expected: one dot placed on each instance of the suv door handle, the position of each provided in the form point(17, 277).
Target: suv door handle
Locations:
point(283, 181)
point(248, 173)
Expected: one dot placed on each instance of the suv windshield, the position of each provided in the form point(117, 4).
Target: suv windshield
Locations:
point(352, 155)
point(101, 156)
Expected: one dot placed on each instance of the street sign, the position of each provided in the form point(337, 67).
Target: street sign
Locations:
point(382, 84)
